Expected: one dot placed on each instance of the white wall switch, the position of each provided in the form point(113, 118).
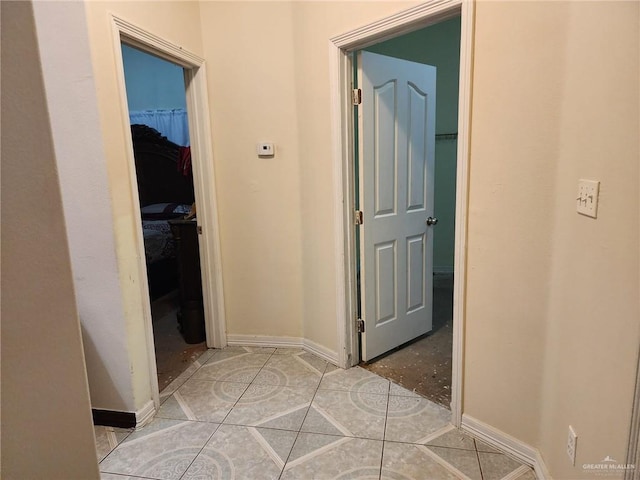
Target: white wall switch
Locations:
point(572, 444)
point(265, 150)
point(587, 200)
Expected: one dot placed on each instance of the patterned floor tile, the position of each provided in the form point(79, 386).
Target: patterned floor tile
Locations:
point(115, 476)
point(485, 447)
point(331, 368)
point(450, 437)
point(272, 406)
point(108, 438)
point(354, 414)
point(202, 400)
point(322, 457)
point(400, 391)
point(414, 419)
point(414, 462)
point(355, 378)
point(264, 396)
point(178, 381)
point(206, 355)
point(302, 370)
point(236, 452)
point(465, 461)
point(496, 465)
point(527, 474)
point(184, 376)
point(161, 450)
point(232, 366)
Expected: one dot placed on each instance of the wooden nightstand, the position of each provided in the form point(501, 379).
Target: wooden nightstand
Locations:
point(191, 314)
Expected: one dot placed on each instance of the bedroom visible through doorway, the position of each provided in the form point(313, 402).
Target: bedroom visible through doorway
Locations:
point(423, 363)
point(161, 145)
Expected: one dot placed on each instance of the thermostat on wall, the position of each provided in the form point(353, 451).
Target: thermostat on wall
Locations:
point(266, 150)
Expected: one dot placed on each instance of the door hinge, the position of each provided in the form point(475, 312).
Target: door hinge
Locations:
point(358, 217)
point(199, 229)
point(356, 96)
point(360, 325)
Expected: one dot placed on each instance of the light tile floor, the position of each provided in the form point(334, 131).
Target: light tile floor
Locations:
point(264, 413)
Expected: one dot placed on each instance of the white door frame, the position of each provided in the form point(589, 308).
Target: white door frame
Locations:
point(341, 68)
point(203, 175)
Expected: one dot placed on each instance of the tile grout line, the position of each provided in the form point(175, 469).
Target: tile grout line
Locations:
point(212, 433)
point(245, 390)
point(225, 417)
point(196, 361)
point(384, 431)
point(127, 476)
point(288, 460)
point(302, 423)
point(478, 457)
point(199, 451)
point(110, 451)
point(447, 465)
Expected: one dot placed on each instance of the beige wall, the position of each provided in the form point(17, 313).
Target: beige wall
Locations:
point(514, 143)
point(593, 315)
point(179, 23)
point(269, 80)
point(315, 24)
point(552, 308)
point(82, 171)
point(250, 53)
point(531, 325)
point(542, 279)
point(46, 418)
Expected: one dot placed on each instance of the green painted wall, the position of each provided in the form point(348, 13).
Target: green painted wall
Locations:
point(438, 45)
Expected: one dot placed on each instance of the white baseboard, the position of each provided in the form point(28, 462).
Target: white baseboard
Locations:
point(263, 341)
point(507, 444)
point(283, 342)
point(542, 472)
point(320, 351)
point(145, 414)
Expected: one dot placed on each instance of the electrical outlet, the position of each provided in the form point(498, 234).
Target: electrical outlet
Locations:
point(587, 201)
point(572, 442)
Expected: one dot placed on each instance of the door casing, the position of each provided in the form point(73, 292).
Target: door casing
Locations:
point(341, 70)
point(200, 133)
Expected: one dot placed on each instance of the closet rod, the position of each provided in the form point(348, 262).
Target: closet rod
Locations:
point(447, 136)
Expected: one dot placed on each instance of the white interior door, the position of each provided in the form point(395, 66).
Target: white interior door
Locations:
point(396, 158)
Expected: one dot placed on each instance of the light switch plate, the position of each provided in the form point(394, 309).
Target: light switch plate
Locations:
point(572, 444)
point(587, 200)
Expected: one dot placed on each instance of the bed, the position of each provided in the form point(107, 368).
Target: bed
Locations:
point(165, 191)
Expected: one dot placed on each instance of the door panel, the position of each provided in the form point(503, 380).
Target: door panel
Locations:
point(397, 135)
point(417, 177)
point(415, 273)
point(385, 148)
point(385, 280)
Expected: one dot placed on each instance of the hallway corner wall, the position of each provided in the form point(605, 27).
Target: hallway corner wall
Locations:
point(552, 306)
point(177, 22)
point(46, 418)
point(85, 194)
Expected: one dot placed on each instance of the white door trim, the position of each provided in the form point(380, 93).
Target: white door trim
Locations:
point(633, 445)
point(204, 182)
point(425, 14)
